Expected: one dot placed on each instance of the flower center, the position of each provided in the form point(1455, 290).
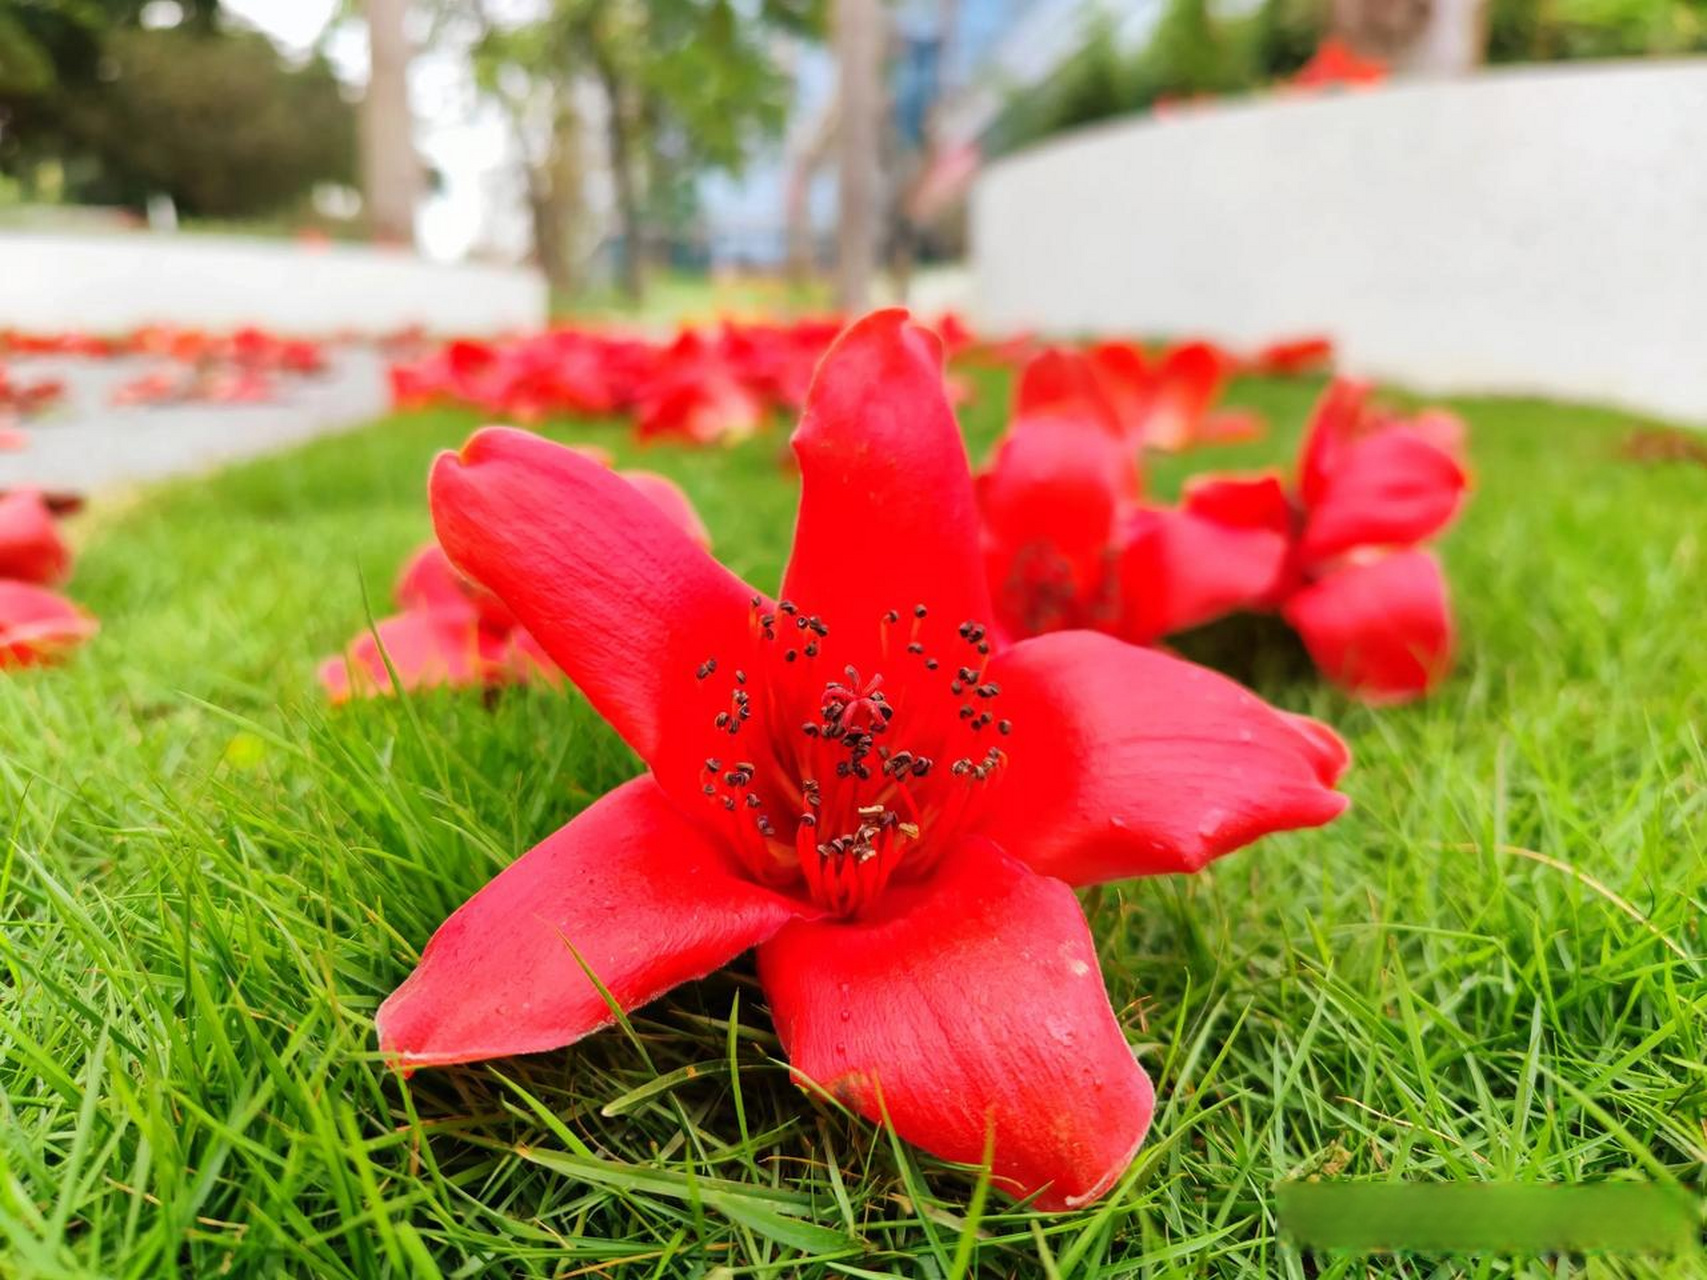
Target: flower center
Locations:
point(850, 779)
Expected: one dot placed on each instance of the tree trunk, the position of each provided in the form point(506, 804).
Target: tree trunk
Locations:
point(1453, 41)
point(858, 38)
point(630, 267)
point(1418, 37)
point(555, 202)
point(391, 171)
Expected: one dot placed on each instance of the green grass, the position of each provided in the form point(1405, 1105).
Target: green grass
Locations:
point(1491, 968)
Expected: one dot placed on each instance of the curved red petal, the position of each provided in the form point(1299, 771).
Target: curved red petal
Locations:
point(644, 898)
point(1051, 501)
point(887, 514)
point(624, 601)
point(1126, 380)
point(31, 549)
point(1186, 382)
point(1382, 629)
point(665, 494)
point(1124, 761)
point(1334, 423)
point(1057, 383)
point(1391, 488)
point(37, 626)
point(1243, 502)
point(428, 648)
point(1180, 570)
point(969, 1010)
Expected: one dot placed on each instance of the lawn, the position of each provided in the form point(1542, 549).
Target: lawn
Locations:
point(1492, 968)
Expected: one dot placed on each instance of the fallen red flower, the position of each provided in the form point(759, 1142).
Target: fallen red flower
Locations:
point(31, 549)
point(860, 780)
point(1337, 557)
point(37, 626)
point(1069, 544)
point(1335, 64)
point(1293, 356)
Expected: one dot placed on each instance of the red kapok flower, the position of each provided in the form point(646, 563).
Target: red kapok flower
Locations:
point(1337, 558)
point(37, 626)
point(860, 780)
point(31, 549)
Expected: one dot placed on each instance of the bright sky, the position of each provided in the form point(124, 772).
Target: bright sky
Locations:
point(479, 205)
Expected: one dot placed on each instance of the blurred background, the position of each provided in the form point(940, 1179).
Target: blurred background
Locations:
point(638, 154)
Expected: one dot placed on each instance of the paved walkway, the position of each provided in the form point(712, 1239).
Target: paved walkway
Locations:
point(84, 443)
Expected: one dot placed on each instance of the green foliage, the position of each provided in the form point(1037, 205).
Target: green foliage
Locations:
point(1191, 53)
point(208, 881)
point(217, 122)
point(213, 118)
point(1540, 30)
point(1196, 51)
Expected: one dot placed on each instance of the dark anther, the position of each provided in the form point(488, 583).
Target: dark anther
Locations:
point(915, 647)
point(919, 611)
point(892, 616)
point(1005, 726)
point(787, 606)
point(954, 687)
point(722, 719)
point(921, 766)
point(729, 803)
point(984, 646)
point(709, 789)
point(713, 764)
point(740, 677)
point(811, 651)
point(789, 656)
point(931, 664)
point(752, 801)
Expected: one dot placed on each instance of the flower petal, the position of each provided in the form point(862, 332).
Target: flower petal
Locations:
point(429, 581)
point(619, 596)
point(429, 648)
point(1124, 761)
point(1180, 570)
point(37, 626)
point(665, 494)
point(1372, 480)
point(1380, 629)
point(645, 899)
point(887, 514)
point(31, 549)
point(969, 1009)
point(1392, 488)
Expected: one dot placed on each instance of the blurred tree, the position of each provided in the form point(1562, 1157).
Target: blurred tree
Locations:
point(214, 119)
point(859, 35)
point(532, 73)
point(392, 177)
point(217, 122)
point(685, 86)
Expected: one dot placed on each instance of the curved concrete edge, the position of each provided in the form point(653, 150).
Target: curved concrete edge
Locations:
point(1535, 231)
point(110, 283)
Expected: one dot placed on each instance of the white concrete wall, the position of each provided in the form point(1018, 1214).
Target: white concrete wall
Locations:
point(109, 283)
point(1541, 230)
